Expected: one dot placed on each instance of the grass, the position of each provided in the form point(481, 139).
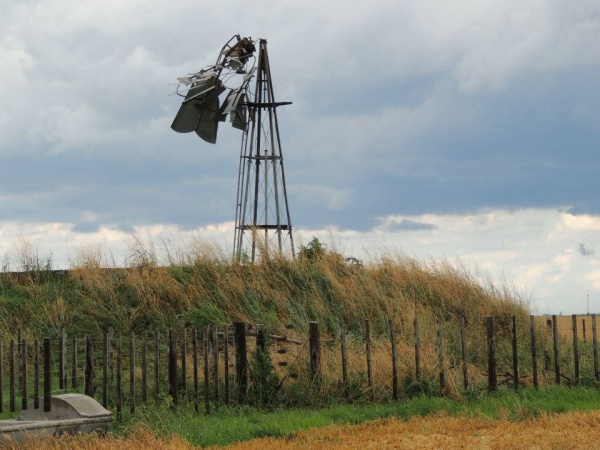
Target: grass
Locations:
point(230, 425)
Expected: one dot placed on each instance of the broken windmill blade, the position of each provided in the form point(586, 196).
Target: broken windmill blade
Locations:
point(262, 218)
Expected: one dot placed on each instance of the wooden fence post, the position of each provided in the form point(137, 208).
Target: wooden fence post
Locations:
point(344, 359)
point(62, 361)
point(145, 368)
point(215, 352)
point(595, 347)
point(1, 377)
point(195, 363)
point(74, 363)
point(463, 347)
point(119, 399)
point(173, 367)
point(184, 360)
point(88, 386)
point(440, 346)
point(575, 349)
point(226, 363)
point(369, 361)
point(207, 369)
point(556, 354)
point(241, 360)
point(514, 353)
point(584, 330)
point(157, 363)
point(491, 344)
point(417, 350)
point(11, 379)
point(533, 351)
point(105, 370)
point(24, 393)
point(394, 361)
point(132, 373)
point(47, 376)
point(314, 344)
point(36, 375)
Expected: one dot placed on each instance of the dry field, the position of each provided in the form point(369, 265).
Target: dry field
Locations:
point(565, 326)
point(565, 431)
point(561, 431)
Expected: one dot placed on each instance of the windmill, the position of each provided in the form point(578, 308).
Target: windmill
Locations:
point(262, 216)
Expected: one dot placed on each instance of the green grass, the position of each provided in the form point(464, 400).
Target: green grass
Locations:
point(229, 425)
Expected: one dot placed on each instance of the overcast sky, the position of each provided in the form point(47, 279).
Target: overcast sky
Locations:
point(464, 130)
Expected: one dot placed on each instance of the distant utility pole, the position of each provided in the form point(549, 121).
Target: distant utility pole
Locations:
point(588, 304)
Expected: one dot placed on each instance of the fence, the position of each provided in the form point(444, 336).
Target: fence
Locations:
point(122, 373)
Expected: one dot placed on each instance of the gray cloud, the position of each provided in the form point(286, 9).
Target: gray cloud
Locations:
point(409, 225)
point(584, 250)
point(85, 228)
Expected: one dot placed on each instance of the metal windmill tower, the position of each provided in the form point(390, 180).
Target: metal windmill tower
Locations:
point(262, 219)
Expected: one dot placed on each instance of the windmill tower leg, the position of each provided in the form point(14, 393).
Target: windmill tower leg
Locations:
point(263, 226)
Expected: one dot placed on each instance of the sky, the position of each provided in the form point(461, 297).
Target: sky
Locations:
point(465, 131)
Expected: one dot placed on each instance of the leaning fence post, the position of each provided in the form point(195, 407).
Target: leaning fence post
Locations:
point(62, 376)
point(491, 341)
point(314, 344)
point(207, 370)
point(533, 351)
point(184, 360)
point(241, 359)
point(119, 400)
point(1, 377)
point(195, 363)
point(226, 363)
point(105, 370)
point(575, 349)
point(555, 339)
point(145, 368)
point(157, 363)
point(215, 351)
